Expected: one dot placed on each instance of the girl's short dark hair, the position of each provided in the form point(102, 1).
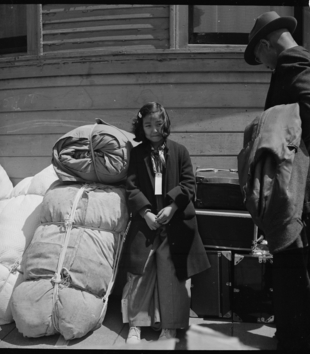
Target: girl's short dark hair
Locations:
point(149, 109)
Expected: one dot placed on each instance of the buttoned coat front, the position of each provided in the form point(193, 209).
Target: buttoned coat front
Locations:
point(186, 248)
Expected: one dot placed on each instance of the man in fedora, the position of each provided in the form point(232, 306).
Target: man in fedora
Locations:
point(271, 44)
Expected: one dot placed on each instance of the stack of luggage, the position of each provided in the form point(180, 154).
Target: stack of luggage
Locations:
point(238, 286)
point(70, 264)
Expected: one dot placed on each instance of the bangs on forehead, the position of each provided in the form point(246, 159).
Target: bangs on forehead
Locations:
point(156, 115)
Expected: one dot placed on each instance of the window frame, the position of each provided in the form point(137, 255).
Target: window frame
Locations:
point(179, 36)
point(34, 32)
point(180, 32)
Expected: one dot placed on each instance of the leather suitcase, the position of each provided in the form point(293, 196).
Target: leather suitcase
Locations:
point(218, 189)
point(226, 230)
point(252, 288)
point(211, 289)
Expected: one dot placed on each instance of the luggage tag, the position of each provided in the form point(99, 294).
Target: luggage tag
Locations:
point(158, 183)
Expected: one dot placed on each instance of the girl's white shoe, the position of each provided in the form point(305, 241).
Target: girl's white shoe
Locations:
point(134, 335)
point(167, 334)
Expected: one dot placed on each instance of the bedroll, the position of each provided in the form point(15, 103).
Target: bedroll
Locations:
point(93, 153)
point(19, 218)
point(70, 262)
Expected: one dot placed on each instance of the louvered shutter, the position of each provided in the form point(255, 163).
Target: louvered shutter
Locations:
point(67, 27)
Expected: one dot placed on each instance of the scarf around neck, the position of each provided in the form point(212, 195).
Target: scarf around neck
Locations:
point(158, 158)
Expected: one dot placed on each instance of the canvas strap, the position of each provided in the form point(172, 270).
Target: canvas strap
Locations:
point(77, 226)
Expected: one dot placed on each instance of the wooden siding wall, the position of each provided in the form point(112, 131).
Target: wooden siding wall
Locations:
point(77, 27)
point(210, 99)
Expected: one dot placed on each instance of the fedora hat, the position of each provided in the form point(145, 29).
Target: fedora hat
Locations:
point(265, 24)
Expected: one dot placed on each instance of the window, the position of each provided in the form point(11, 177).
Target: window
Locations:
point(230, 25)
point(18, 29)
point(13, 29)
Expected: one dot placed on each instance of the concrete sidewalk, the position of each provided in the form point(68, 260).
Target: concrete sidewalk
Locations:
point(203, 334)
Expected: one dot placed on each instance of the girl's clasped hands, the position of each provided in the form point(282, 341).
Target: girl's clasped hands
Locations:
point(162, 218)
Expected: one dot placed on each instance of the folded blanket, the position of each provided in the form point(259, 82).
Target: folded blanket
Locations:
point(93, 153)
point(69, 264)
point(19, 219)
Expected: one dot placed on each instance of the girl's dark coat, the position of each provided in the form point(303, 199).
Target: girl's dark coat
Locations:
point(186, 248)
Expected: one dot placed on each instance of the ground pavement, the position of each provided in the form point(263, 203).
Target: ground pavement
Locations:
point(203, 334)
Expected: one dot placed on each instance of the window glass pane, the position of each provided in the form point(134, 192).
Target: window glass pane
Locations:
point(224, 24)
point(13, 29)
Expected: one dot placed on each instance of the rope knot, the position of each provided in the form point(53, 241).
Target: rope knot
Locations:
point(14, 267)
point(56, 279)
point(68, 222)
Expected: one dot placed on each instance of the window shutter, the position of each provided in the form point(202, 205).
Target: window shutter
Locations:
point(67, 27)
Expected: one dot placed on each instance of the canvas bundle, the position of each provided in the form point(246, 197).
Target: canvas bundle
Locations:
point(19, 218)
point(93, 153)
point(69, 264)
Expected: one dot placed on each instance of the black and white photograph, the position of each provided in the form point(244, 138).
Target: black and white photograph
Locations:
point(154, 176)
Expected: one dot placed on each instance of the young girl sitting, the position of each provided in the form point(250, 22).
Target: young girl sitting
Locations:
point(163, 248)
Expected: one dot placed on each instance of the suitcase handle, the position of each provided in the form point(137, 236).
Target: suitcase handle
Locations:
point(214, 169)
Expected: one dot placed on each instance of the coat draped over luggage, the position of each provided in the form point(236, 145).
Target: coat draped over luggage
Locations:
point(273, 167)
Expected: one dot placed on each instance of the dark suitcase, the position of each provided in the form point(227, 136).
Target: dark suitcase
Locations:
point(226, 230)
point(211, 289)
point(218, 189)
point(252, 288)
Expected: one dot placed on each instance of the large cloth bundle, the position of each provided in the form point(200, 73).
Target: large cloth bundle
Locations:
point(93, 153)
point(19, 219)
point(69, 264)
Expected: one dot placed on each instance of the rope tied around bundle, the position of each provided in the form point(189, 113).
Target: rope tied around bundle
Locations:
point(15, 267)
point(62, 277)
point(58, 277)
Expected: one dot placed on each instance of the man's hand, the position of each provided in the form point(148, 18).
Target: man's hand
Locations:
point(166, 214)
